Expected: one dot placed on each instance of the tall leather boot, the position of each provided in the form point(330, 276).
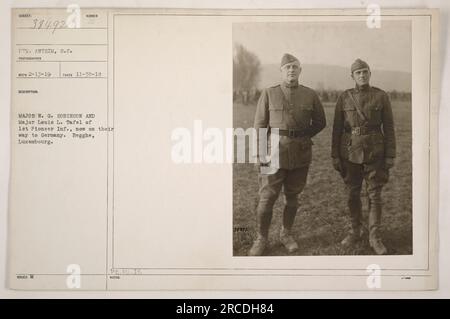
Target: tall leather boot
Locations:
point(355, 233)
point(263, 219)
point(374, 229)
point(286, 237)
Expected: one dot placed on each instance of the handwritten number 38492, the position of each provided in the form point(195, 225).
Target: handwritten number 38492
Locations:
point(49, 24)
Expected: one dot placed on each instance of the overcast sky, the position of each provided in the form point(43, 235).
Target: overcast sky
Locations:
point(333, 43)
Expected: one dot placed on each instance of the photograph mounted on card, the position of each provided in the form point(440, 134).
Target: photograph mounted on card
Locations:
point(223, 149)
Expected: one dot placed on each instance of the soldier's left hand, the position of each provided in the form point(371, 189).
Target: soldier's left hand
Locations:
point(389, 162)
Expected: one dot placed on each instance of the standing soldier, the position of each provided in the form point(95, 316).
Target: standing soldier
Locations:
point(363, 148)
point(297, 113)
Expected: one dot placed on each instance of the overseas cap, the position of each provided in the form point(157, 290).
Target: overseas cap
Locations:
point(359, 64)
point(288, 58)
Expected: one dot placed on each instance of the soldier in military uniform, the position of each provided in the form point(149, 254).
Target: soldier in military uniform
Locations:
point(297, 113)
point(363, 148)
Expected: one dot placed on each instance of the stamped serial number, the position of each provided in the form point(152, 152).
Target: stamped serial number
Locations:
point(245, 308)
point(225, 308)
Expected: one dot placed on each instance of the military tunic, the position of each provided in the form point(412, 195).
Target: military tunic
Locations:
point(376, 139)
point(287, 107)
point(291, 107)
point(363, 143)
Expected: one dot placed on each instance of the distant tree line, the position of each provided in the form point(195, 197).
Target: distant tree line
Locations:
point(246, 71)
point(252, 95)
point(246, 76)
point(332, 95)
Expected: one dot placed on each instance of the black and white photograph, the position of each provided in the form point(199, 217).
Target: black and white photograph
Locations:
point(224, 149)
point(338, 96)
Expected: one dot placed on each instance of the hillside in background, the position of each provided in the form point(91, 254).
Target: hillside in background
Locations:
point(330, 77)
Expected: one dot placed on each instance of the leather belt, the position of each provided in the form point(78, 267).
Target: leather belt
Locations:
point(292, 133)
point(363, 130)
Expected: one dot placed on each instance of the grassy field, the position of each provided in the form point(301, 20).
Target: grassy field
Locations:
point(322, 220)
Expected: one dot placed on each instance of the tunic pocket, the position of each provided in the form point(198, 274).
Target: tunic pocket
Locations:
point(375, 114)
point(356, 149)
point(376, 147)
point(304, 113)
point(301, 152)
point(276, 114)
point(351, 115)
